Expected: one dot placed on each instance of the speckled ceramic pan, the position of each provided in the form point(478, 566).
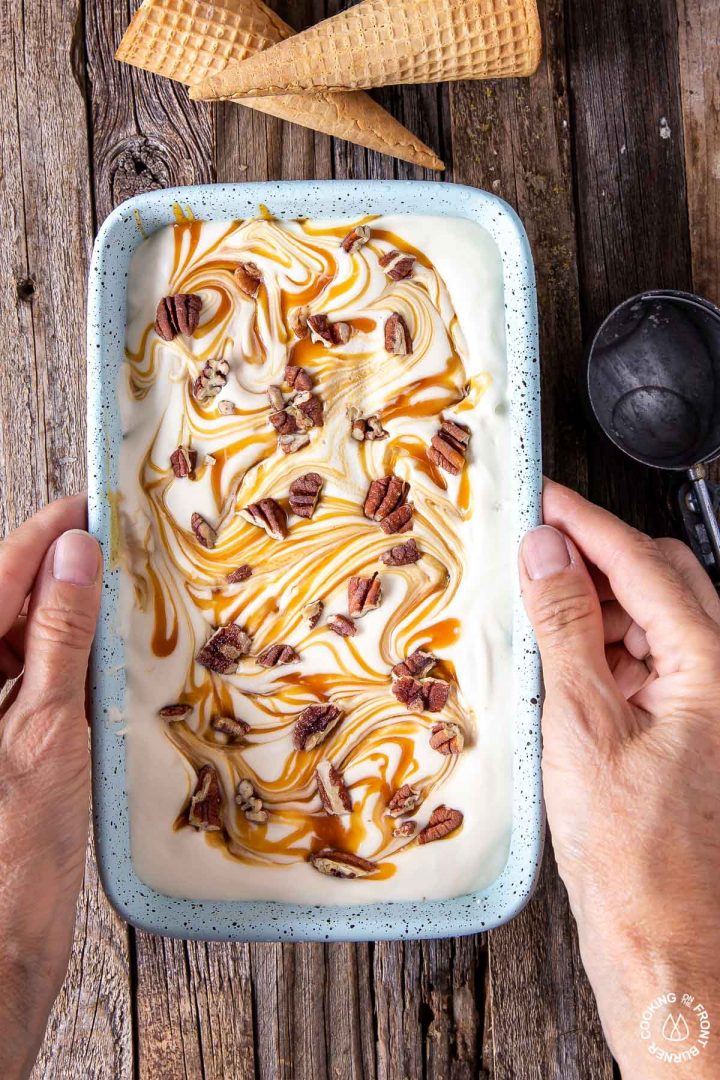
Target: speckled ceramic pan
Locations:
point(274, 921)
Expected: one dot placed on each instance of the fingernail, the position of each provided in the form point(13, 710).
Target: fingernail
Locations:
point(77, 558)
point(544, 552)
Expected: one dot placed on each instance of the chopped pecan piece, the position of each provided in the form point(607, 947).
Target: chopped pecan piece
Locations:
point(228, 725)
point(206, 802)
point(364, 594)
point(314, 724)
point(367, 429)
point(443, 821)
point(304, 494)
point(398, 264)
point(226, 407)
point(341, 625)
point(277, 654)
point(290, 444)
point(242, 573)
point(341, 864)
point(417, 665)
point(276, 397)
point(401, 554)
point(307, 410)
point(299, 323)
point(269, 515)
point(175, 712)
point(428, 696)
point(447, 738)
point(222, 651)
point(178, 314)
point(297, 377)
point(355, 239)
point(205, 533)
point(404, 801)
point(284, 422)
point(249, 278)
point(449, 447)
point(211, 380)
point(183, 461)
point(321, 329)
point(333, 793)
point(312, 613)
point(397, 336)
point(399, 521)
point(405, 829)
point(384, 496)
point(249, 803)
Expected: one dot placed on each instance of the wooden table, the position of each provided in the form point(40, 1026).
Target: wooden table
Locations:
point(611, 155)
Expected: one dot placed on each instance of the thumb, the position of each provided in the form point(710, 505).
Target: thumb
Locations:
point(61, 623)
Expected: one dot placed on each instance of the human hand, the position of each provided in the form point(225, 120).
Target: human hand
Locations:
point(50, 577)
point(630, 644)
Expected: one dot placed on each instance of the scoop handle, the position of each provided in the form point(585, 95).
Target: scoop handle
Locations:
point(697, 477)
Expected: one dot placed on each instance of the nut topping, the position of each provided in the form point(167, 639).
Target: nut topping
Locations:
point(206, 802)
point(384, 496)
point(276, 397)
point(205, 533)
point(447, 738)
point(178, 314)
point(333, 793)
point(211, 380)
point(242, 573)
point(356, 239)
point(284, 422)
point(175, 712)
point(341, 864)
point(401, 554)
point(277, 654)
point(428, 696)
point(297, 377)
point(183, 461)
point(290, 444)
point(228, 725)
point(312, 613)
point(341, 625)
point(226, 407)
point(417, 665)
point(367, 429)
point(405, 829)
point(397, 336)
point(250, 804)
point(398, 264)
point(223, 650)
point(399, 521)
point(443, 821)
point(364, 594)
point(307, 410)
point(267, 514)
point(449, 447)
point(304, 494)
point(248, 278)
point(404, 801)
point(321, 329)
point(314, 724)
point(299, 323)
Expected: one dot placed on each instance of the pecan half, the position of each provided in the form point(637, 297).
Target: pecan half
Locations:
point(341, 864)
point(249, 803)
point(206, 802)
point(269, 515)
point(248, 277)
point(177, 314)
point(224, 648)
point(449, 447)
point(277, 654)
point(175, 712)
point(340, 624)
point(401, 554)
point(430, 695)
point(399, 521)
point(404, 801)
point(242, 573)
point(443, 821)
point(333, 793)
point(183, 461)
point(211, 380)
point(447, 738)
point(312, 613)
point(307, 410)
point(397, 336)
point(355, 239)
point(297, 377)
point(226, 407)
point(405, 829)
point(314, 724)
point(384, 496)
point(284, 422)
point(304, 494)
point(330, 334)
point(417, 665)
point(290, 444)
point(368, 429)
point(299, 322)
point(364, 594)
point(228, 725)
point(398, 264)
point(276, 397)
point(205, 533)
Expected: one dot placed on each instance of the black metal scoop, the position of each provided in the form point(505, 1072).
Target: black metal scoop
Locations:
point(653, 381)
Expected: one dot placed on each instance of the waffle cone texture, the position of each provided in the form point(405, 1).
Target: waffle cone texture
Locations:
point(194, 40)
point(382, 42)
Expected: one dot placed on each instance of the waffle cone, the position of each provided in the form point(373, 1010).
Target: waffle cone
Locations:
point(192, 40)
point(382, 42)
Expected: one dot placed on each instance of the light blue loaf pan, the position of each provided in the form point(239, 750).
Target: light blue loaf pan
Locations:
point(245, 921)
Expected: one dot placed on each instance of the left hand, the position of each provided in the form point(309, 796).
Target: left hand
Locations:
point(50, 579)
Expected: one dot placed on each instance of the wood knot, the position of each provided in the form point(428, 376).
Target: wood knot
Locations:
point(26, 288)
point(139, 165)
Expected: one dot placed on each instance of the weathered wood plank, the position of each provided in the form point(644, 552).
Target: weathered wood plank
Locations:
point(700, 84)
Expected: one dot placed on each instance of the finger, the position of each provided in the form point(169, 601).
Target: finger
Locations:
point(619, 627)
point(693, 574)
point(10, 663)
point(630, 674)
point(22, 552)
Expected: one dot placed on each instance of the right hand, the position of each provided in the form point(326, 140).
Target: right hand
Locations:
point(629, 634)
